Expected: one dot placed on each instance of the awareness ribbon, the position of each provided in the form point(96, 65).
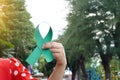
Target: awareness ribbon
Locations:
point(38, 51)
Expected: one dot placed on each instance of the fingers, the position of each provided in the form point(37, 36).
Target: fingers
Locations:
point(57, 50)
point(52, 45)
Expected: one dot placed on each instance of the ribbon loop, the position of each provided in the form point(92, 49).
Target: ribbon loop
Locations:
point(38, 51)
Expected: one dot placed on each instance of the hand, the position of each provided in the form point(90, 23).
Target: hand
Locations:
point(58, 52)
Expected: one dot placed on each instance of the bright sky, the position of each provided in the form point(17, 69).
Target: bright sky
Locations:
point(52, 12)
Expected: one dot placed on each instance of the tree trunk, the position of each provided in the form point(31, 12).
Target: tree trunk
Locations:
point(74, 69)
point(105, 60)
point(105, 63)
point(107, 71)
point(73, 74)
point(82, 66)
point(78, 73)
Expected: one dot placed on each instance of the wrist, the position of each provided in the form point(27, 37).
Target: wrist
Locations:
point(64, 64)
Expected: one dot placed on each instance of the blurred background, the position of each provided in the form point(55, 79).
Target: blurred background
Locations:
point(88, 29)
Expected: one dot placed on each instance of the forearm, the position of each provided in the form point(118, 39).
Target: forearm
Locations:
point(58, 72)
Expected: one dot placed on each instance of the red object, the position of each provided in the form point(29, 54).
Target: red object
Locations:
point(12, 69)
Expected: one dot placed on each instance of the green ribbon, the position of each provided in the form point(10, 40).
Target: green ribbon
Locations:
point(38, 51)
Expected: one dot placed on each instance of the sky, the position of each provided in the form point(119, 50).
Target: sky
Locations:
point(48, 13)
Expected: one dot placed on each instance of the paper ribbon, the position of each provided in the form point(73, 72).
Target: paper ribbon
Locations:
point(38, 51)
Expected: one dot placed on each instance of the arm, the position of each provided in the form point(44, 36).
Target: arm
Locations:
point(59, 55)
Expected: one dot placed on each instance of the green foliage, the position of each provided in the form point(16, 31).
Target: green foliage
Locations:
point(48, 68)
point(78, 37)
point(94, 20)
point(93, 27)
point(16, 27)
point(5, 45)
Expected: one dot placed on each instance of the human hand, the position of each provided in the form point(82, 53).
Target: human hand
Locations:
point(58, 52)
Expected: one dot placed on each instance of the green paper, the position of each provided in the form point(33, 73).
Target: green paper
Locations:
point(38, 51)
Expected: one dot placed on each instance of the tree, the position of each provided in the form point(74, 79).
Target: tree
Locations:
point(4, 44)
point(105, 20)
point(77, 41)
point(16, 20)
point(98, 21)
